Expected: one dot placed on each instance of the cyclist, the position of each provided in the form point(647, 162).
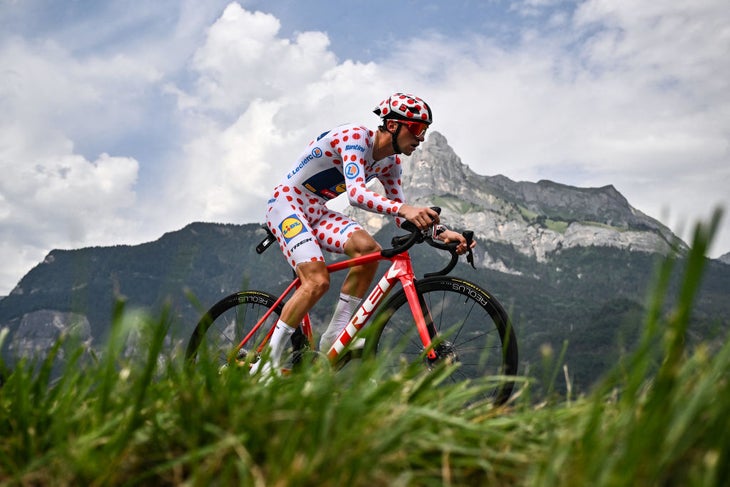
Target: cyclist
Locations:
point(343, 160)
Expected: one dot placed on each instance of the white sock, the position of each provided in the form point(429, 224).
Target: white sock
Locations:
point(344, 310)
point(277, 344)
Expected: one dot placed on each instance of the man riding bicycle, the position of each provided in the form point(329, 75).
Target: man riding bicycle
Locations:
point(343, 160)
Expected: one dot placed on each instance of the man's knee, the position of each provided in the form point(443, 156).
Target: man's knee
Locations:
point(314, 277)
point(320, 284)
point(361, 243)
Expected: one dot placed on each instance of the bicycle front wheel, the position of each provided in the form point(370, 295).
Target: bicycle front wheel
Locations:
point(224, 326)
point(467, 326)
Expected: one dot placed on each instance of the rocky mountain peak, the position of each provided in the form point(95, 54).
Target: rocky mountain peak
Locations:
point(537, 219)
point(435, 162)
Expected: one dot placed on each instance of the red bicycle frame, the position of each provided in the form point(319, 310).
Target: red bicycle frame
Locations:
point(400, 270)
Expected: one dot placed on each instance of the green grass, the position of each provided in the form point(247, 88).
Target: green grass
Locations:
point(144, 418)
point(556, 225)
point(455, 204)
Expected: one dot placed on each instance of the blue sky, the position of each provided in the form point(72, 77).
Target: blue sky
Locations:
point(122, 120)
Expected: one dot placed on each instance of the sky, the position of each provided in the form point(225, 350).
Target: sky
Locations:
point(122, 120)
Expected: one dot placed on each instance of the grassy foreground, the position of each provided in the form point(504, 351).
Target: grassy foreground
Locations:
point(661, 418)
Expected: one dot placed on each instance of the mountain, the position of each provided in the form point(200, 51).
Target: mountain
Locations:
point(725, 258)
point(571, 265)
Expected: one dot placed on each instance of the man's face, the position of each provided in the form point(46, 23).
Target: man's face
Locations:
point(407, 140)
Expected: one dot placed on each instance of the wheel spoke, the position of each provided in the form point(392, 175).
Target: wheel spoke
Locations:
point(470, 327)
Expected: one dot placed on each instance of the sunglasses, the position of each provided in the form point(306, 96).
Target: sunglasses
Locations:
point(418, 129)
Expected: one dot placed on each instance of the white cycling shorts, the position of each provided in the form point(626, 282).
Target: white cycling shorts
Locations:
point(304, 226)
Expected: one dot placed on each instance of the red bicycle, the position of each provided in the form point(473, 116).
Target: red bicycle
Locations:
point(434, 319)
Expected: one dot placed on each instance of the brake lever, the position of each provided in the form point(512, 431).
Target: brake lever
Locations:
point(469, 236)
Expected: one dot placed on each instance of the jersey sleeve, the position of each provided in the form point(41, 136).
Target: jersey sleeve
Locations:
point(391, 181)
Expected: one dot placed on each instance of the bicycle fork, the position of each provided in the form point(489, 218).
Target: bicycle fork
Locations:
point(400, 271)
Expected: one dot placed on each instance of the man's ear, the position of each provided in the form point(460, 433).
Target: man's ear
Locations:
point(391, 125)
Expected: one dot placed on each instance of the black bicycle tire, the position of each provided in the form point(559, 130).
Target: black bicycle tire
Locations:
point(498, 319)
point(234, 300)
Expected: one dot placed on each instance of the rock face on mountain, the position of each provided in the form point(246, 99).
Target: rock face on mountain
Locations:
point(39, 330)
point(536, 219)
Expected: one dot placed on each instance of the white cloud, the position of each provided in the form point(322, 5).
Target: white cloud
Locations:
point(243, 59)
point(227, 165)
point(51, 196)
point(256, 101)
point(60, 200)
point(45, 86)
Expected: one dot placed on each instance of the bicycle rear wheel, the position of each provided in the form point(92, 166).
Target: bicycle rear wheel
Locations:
point(228, 321)
point(466, 324)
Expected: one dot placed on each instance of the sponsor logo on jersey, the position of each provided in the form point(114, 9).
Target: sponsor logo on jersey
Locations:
point(352, 170)
point(291, 227)
point(355, 147)
point(344, 230)
point(326, 184)
point(299, 244)
point(322, 135)
point(315, 154)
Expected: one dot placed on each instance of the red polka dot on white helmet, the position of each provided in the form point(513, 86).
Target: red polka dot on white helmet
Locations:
point(402, 106)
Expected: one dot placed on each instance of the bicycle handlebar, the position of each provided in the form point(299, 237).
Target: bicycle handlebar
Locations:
point(403, 243)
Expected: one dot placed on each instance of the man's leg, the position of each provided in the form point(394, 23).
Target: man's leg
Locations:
point(299, 245)
point(314, 283)
point(359, 277)
point(356, 284)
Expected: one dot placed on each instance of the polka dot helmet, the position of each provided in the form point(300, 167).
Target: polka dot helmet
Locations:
point(401, 106)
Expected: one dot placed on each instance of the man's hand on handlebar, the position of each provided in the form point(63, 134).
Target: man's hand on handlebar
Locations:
point(419, 219)
point(448, 236)
point(422, 217)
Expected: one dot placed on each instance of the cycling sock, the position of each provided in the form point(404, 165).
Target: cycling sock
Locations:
point(344, 310)
point(277, 344)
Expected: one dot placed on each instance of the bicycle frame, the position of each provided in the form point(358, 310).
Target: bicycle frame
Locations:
point(401, 270)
